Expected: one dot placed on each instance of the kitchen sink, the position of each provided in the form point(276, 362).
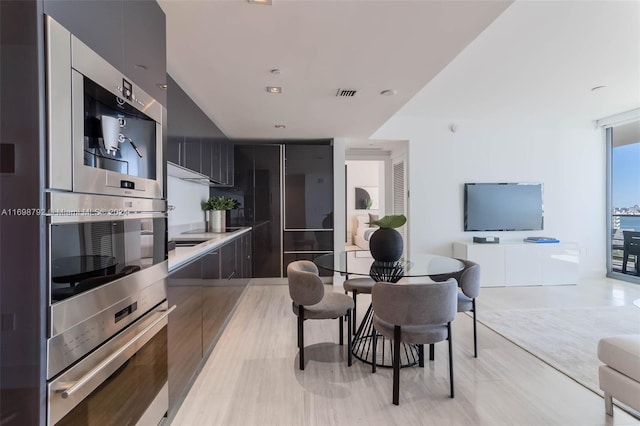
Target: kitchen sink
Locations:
point(203, 231)
point(188, 243)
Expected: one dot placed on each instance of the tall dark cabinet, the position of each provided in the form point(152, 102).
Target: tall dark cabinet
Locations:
point(308, 202)
point(258, 188)
point(286, 195)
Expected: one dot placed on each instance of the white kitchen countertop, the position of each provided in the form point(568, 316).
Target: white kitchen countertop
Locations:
point(180, 256)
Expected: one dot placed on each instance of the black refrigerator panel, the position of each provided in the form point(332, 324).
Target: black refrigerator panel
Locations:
point(308, 187)
point(267, 245)
point(257, 183)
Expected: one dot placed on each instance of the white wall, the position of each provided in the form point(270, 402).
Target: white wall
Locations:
point(186, 197)
point(569, 160)
point(339, 206)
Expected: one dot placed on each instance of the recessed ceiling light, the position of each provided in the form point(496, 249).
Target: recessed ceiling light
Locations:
point(275, 71)
point(274, 89)
point(280, 126)
point(388, 92)
point(267, 2)
point(593, 89)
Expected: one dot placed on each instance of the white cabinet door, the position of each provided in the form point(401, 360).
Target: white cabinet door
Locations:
point(522, 265)
point(560, 264)
point(490, 257)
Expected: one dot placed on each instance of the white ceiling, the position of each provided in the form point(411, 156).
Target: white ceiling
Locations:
point(221, 52)
point(454, 60)
point(538, 62)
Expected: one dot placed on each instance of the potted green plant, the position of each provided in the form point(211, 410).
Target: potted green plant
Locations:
point(215, 208)
point(385, 243)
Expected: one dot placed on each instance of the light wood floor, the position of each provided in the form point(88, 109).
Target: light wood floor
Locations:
point(252, 376)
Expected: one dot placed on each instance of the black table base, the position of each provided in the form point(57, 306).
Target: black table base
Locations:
point(363, 346)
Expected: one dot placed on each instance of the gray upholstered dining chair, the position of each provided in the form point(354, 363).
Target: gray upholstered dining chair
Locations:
point(416, 314)
point(311, 302)
point(357, 286)
point(469, 282)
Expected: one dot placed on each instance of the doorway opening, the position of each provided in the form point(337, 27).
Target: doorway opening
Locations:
point(376, 182)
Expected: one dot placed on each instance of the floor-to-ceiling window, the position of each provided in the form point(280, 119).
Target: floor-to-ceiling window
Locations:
point(623, 145)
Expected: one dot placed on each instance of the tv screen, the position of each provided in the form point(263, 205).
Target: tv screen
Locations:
point(503, 207)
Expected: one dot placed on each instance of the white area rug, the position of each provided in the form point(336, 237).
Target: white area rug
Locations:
point(566, 339)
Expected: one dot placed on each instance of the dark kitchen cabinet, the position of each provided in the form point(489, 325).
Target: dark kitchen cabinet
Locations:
point(245, 256)
point(174, 150)
point(228, 260)
point(308, 184)
point(184, 334)
point(191, 270)
point(207, 156)
point(145, 58)
point(224, 163)
point(219, 155)
point(258, 177)
point(205, 296)
point(195, 142)
point(219, 298)
point(211, 265)
point(230, 162)
point(308, 189)
point(98, 24)
point(206, 148)
point(192, 154)
point(216, 159)
point(219, 152)
point(130, 35)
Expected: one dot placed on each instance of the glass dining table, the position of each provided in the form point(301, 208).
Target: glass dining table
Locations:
point(359, 263)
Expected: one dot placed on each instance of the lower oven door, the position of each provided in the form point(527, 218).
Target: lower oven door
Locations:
point(123, 382)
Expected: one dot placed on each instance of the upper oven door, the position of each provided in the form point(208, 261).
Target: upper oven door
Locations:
point(95, 240)
point(105, 133)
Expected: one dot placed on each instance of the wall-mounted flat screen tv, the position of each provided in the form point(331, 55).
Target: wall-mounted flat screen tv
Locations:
point(503, 207)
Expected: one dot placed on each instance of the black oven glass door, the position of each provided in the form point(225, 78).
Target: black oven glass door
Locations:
point(117, 137)
point(87, 255)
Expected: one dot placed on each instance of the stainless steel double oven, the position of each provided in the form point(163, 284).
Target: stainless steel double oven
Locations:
point(106, 243)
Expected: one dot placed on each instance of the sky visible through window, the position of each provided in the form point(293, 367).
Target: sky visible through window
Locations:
point(626, 176)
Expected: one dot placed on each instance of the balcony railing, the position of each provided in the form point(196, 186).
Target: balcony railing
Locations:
point(620, 224)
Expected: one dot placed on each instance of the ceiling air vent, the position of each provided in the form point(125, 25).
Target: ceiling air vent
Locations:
point(346, 93)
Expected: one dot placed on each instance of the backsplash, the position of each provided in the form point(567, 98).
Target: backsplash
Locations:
point(185, 197)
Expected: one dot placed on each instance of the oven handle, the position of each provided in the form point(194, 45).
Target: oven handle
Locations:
point(73, 387)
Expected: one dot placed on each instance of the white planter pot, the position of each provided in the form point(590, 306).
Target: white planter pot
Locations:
point(216, 220)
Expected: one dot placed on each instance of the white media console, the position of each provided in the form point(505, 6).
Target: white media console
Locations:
point(522, 264)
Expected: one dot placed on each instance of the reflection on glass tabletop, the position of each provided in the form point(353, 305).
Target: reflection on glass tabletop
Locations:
point(360, 262)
